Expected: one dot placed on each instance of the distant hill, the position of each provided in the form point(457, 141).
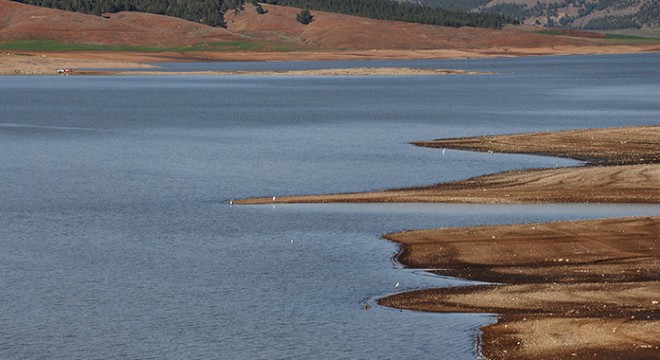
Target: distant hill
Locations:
point(574, 14)
point(246, 29)
point(404, 11)
point(212, 12)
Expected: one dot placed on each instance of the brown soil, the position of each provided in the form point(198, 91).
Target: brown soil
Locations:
point(329, 37)
point(567, 290)
point(620, 146)
point(23, 22)
point(338, 31)
point(578, 289)
point(636, 181)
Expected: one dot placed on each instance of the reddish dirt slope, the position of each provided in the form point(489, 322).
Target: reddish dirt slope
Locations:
point(19, 22)
point(337, 31)
point(328, 31)
point(333, 36)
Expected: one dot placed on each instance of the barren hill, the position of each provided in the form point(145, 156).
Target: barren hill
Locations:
point(338, 31)
point(328, 31)
point(25, 22)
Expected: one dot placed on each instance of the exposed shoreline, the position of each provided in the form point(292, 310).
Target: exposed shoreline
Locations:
point(357, 71)
point(589, 288)
point(623, 166)
point(47, 62)
point(568, 290)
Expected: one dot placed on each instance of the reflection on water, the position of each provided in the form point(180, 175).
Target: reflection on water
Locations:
point(116, 240)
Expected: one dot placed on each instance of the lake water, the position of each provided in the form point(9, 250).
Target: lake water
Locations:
point(116, 239)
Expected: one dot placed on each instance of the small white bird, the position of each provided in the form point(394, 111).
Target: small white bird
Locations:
point(274, 197)
point(231, 202)
point(397, 285)
point(292, 241)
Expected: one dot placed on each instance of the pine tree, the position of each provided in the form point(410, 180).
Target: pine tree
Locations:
point(304, 17)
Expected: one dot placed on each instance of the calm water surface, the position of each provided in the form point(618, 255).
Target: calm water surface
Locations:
point(116, 240)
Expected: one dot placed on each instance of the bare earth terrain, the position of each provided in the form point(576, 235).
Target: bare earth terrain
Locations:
point(570, 290)
point(567, 290)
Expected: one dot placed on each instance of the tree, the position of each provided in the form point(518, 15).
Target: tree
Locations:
point(304, 17)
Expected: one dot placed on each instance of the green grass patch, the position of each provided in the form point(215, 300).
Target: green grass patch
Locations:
point(243, 46)
point(51, 45)
point(549, 32)
point(230, 46)
point(626, 37)
point(610, 38)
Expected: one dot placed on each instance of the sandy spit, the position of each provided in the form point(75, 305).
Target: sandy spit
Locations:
point(623, 167)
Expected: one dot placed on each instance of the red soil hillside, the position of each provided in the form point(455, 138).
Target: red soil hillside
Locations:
point(328, 31)
point(337, 31)
point(329, 37)
point(21, 22)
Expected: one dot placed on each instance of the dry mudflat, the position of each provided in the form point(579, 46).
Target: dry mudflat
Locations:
point(573, 290)
point(565, 290)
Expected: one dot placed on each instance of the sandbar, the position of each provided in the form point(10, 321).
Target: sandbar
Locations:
point(622, 166)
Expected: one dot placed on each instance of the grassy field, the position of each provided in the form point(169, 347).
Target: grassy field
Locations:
point(51, 45)
point(621, 38)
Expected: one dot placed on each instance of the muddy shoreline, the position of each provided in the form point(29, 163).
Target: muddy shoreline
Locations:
point(623, 166)
point(47, 62)
point(565, 290)
point(554, 281)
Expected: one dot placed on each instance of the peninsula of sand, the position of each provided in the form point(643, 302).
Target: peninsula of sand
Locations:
point(566, 290)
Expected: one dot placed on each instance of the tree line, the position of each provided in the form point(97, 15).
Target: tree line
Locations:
point(643, 13)
point(402, 11)
point(211, 12)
